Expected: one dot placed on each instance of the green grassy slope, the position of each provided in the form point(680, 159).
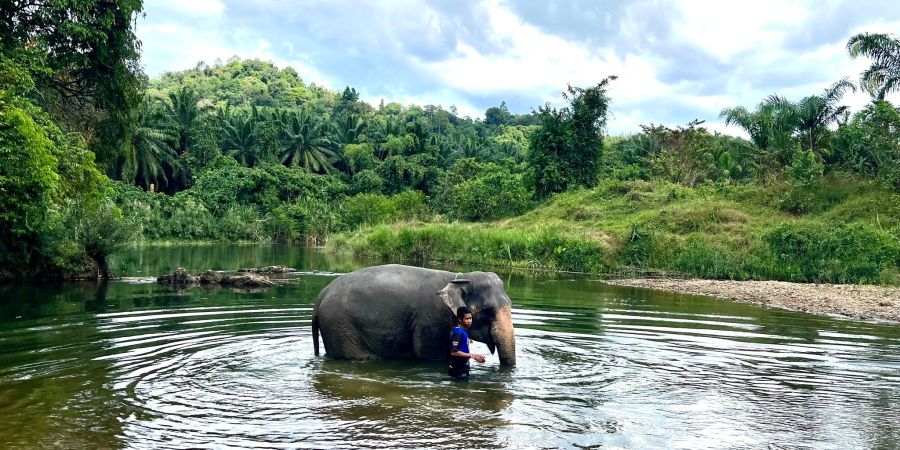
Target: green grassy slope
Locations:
point(842, 230)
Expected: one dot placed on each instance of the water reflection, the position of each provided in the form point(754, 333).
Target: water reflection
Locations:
point(395, 401)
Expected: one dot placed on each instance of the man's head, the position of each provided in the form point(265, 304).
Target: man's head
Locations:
point(465, 316)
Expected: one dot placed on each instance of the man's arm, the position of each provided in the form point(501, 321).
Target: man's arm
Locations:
point(456, 352)
point(475, 356)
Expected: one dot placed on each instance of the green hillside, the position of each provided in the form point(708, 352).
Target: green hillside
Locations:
point(715, 231)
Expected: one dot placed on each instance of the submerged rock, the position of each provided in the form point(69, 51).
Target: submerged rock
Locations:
point(179, 277)
point(267, 270)
point(210, 277)
point(246, 280)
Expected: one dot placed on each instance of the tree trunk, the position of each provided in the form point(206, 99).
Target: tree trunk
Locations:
point(102, 267)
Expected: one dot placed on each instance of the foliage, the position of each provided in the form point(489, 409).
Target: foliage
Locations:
point(716, 231)
point(483, 191)
point(97, 227)
point(305, 143)
point(374, 209)
point(883, 76)
point(870, 143)
point(806, 168)
point(149, 142)
point(83, 58)
point(27, 183)
point(842, 253)
point(566, 149)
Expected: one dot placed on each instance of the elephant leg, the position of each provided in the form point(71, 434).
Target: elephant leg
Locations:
point(348, 344)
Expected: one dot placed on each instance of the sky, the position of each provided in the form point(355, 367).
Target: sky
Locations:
point(676, 61)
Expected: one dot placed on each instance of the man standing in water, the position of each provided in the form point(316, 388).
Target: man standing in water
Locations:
point(459, 346)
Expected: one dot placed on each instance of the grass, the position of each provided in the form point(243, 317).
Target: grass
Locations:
point(842, 231)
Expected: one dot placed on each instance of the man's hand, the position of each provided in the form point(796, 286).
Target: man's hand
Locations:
point(477, 357)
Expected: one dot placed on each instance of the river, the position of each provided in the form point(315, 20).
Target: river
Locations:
point(132, 364)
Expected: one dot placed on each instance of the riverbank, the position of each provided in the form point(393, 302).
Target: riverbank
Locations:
point(726, 232)
point(864, 302)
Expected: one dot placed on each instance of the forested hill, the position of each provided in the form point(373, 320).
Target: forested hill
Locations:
point(94, 156)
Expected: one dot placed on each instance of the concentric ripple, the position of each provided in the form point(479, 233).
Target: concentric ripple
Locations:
point(137, 366)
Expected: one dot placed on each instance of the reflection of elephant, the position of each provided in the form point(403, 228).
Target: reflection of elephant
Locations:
point(396, 311)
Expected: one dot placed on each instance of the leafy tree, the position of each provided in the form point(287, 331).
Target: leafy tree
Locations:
point(359, 157)
point(398, 145)
point(27, 181)
point(366, 180)
point(870, 143)
point(883, 76)
point(764, 125)
point(497, 115)
point(510, 142)
point(401, 173)
point(305, 143)
point(482, 191)
point(566, 150)
point(348, 128)
point(99, 228)
point(84, 58)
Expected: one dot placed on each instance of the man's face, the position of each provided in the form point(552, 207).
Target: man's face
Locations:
point(466, 321)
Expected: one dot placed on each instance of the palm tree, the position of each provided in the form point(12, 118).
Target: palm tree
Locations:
point(239, 138)
point(149, 143)
point(348, 128)
point(759, 124)
point(812, 114)
point(305, 143)
point(184, 112)
point(883, 76)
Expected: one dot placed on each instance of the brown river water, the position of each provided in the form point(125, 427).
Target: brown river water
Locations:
point(132, 364)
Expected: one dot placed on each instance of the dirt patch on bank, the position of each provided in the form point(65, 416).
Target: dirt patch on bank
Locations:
point(856, 301)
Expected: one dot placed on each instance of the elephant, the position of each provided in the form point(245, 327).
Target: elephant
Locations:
point(395, 311)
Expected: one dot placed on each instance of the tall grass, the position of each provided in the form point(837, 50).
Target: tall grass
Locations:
point(711, 231)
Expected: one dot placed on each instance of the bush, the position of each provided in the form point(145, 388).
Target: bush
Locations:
point(838, 254)
point(27, 182)
point(366, 181)
point(374, 209)
point(464, 244)
point(475, 191)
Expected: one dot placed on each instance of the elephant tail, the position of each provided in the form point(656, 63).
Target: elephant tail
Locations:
point(315, 335)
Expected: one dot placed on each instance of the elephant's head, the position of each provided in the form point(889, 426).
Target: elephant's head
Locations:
point(483, 294)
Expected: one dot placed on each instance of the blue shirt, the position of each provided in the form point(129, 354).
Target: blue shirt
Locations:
point(459, 340)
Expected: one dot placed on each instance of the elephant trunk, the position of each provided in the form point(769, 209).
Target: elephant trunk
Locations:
point(503, 335)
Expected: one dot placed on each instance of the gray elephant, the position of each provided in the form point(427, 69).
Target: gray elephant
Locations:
point(397, 311)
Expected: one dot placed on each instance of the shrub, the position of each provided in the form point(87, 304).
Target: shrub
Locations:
point(840, 253)
point(373, 209)
point(482, 191)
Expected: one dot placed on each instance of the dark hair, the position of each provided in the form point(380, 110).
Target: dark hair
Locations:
point(461, 312)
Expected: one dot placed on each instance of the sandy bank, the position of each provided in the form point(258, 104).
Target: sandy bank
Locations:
point(856, 301)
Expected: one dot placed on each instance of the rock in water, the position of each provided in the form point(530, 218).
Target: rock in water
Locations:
point(210, 277)
point(179, 277)
point(246, 280)
point(267, 270)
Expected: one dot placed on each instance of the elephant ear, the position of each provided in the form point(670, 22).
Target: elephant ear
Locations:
point(452, 294)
